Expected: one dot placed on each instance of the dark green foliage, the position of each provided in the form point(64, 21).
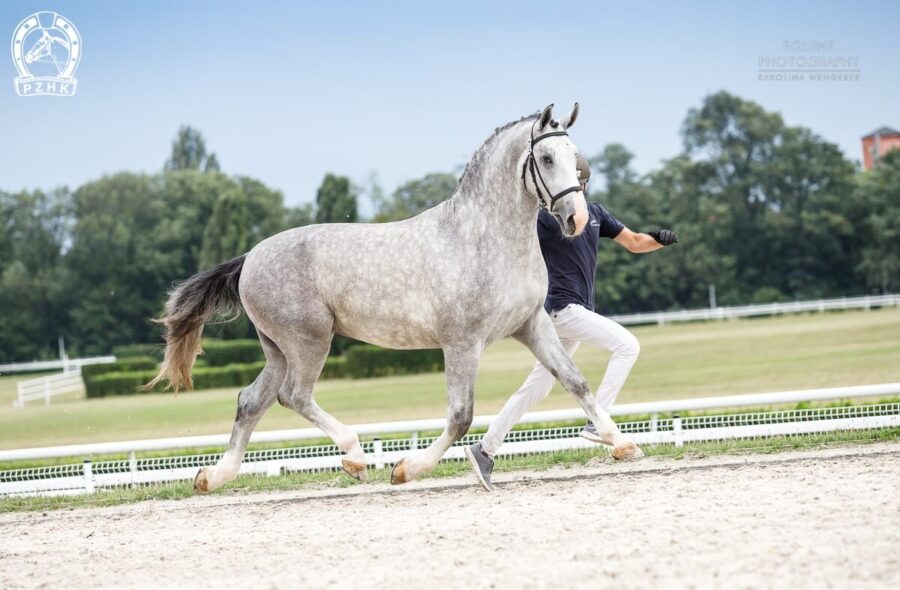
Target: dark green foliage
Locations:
point(416, 196)
point(340, 344)
point(122, 365)
point(371, 361)
point(764, 211)
point(133, 350)
point(189, 152)
point(129, 382)
point(335, 368)
point(219, 353)
point(336, 200)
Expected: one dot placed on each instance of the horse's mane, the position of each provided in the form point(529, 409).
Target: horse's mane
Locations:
point(474, 165)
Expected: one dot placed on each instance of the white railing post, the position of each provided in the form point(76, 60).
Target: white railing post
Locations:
point(378, 452)
point(414, 440)
point(88, 477)
point(132, 467)
point(676, 429)
point(654, 422)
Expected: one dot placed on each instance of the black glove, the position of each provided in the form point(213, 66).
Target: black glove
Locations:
point(664, 236)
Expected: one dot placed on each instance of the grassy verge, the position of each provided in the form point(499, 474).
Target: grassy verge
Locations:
point(677, 361)
point(9, 465)
point(565, 459)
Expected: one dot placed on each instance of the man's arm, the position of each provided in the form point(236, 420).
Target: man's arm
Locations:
point(640, 243)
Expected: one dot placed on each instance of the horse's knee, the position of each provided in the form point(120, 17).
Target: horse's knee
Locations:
point(250, 404)
point(459, 420)
point(579, 387)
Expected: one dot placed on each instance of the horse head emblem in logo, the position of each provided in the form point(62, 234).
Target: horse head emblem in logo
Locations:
point(46, 49)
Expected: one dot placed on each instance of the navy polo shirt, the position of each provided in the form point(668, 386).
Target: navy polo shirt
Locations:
point(572, 262)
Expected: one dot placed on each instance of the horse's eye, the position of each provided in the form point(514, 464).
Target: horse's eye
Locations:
point(547, 160)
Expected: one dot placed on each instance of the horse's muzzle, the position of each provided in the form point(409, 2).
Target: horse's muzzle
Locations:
point(571, 214)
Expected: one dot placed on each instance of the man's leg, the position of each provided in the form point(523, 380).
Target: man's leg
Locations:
point(594, 329)
point(536, 387)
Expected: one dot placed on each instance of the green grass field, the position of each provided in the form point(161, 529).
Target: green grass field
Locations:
point(677, 361)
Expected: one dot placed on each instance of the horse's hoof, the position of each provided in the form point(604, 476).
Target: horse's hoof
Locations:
point(355, 470)
point(398, 473)
point(627, 451)
point(201, 482)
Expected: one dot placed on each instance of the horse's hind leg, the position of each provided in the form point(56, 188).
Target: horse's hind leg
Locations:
point(253, 401)
point(305, 362)
point(461, 366)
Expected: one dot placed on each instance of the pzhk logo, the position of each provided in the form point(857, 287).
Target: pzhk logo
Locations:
point(46, 49)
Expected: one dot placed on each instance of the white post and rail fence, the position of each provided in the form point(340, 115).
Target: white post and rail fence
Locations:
point(45, 388)
point(652, 423)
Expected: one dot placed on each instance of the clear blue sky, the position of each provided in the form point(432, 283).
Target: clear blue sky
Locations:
point(287, 91)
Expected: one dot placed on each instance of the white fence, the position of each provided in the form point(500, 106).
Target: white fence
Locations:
point(47, 387)
point(64, 364)
point(88, 476)
point(763, 309)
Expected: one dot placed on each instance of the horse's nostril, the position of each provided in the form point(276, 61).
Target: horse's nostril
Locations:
point(570, 223)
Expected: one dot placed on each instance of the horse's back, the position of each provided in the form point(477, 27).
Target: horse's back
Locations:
point(371, 280)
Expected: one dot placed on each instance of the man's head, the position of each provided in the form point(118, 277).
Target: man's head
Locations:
point(584, 171)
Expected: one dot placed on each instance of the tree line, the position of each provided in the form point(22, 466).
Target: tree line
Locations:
point(764, 211)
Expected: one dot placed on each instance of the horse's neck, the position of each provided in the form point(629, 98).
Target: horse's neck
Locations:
point(494, 193)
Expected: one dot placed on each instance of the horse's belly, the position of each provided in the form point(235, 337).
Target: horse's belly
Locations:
point(386, 327)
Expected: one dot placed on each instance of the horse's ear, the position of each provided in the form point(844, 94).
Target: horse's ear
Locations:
point(570, 120)
point(545, 116)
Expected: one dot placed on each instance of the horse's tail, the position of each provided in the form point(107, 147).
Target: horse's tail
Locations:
point(191, 303)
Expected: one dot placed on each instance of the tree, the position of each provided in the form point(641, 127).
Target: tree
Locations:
point(189, 152)
point(299, 216)
point(336, 200)
point(614, 164)
point(770, 195)
point(416, 196)
point(227, 232)
point(877, 194)
point(34, 293)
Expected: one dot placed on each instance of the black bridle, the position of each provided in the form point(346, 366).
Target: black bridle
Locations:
point(530, 165)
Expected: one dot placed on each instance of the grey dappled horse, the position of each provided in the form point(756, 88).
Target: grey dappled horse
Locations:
point(456, 277)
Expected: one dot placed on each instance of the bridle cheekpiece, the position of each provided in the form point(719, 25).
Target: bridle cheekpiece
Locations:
point(531, 166)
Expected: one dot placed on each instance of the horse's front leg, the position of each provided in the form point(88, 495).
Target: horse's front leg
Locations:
point(540, 337)
point(460, 367)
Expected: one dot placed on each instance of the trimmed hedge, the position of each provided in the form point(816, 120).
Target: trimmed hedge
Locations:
point(135, 350)
point(123, 365)
point(358, 362)
point(340, 344)
point(371, 361)
point(219, 353)
point(130, 382)
point(335, 368)
point(234, 375)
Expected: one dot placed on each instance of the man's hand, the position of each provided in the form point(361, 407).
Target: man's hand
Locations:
point(664, 236)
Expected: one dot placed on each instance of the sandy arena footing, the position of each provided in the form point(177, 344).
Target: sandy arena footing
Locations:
point(813, 519)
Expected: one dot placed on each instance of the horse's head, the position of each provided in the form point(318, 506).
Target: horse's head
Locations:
point(550, 171)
